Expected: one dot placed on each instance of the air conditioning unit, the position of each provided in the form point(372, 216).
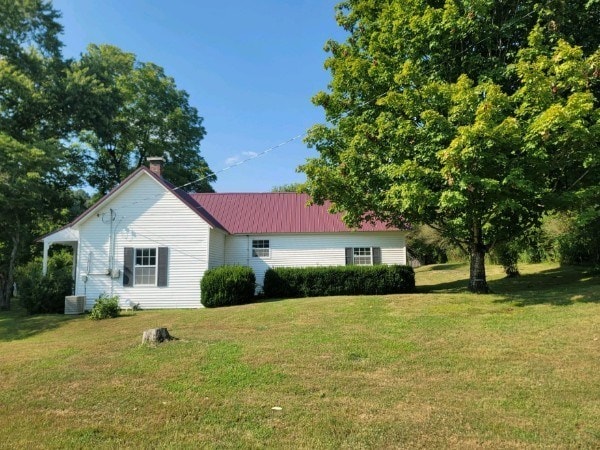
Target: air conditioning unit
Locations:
point(74, 304)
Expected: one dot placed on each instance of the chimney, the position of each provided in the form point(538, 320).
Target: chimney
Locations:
point(155, 163)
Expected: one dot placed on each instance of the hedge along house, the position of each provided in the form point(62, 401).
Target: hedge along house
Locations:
point(149, 242)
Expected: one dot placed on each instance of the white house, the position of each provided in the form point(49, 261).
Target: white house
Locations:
point(150, 243)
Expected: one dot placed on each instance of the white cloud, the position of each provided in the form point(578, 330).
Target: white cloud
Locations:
point(240, 157)
point(232, 160)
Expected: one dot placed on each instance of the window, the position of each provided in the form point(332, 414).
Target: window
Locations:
point(361, 256)
point(260, 248)
point(145, 266)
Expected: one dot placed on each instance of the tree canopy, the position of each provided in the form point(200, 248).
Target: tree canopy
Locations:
point(133, 110)
point(63, 122)
point(471, 117)
point(36, 170)
point(297, 187)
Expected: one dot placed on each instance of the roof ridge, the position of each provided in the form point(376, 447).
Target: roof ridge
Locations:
point(249, 193)
point(179, 193)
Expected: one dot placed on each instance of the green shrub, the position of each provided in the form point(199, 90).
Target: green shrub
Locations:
point(293, 282)
point(582, 244)
point(565, 237)
point(227, 285)
point(105, 307)
point(428, 246)
point(45, 294)
point(535, 245)
point(507, 254)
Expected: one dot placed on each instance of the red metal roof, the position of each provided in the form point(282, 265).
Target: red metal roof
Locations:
point(274, 213)
point(250, 213)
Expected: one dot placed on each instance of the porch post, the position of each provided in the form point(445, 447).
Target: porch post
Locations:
point(74, 273)
point(45, 258)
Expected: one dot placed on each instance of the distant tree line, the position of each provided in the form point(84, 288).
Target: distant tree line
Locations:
point(562, 237)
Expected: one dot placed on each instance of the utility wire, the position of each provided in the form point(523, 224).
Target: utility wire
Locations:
point(204, 177)
point(349, 111)
point(360, 105)
point(239, 163)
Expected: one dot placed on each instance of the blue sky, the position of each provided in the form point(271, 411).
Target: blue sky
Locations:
point(250, 69)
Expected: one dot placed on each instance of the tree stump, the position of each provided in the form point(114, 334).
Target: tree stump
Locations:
point(156, 335)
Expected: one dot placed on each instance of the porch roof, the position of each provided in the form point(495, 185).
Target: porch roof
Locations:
point(65, 235)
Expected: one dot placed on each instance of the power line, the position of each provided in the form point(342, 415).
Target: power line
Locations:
point(239, 163)
point(349, 111)
point(360, 105)
point(204, 177)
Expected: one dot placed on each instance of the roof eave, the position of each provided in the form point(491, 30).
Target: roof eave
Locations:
point(181, 195)
point(88, 212)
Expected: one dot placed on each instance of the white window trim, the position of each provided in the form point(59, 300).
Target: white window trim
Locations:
point(252, 248)
point(362, 256)
point(135, 266)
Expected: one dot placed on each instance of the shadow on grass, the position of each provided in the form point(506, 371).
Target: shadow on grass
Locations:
point(17, 324)
point(451, 278)
point(447, 266)
point(452, 287)
point(561, 286)
point(267, 300)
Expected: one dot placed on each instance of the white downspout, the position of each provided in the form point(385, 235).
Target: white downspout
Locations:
point(75, 261)
point(248, 250)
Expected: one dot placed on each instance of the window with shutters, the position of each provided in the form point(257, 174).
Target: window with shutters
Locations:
point(363, 256)
point(145, 267)
point(260, 248)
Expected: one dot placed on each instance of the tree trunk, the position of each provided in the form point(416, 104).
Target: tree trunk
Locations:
point(7, 285)
point(4, 302)
point(511, 270)
point(477, 280)
point(116, 166)
point(156, 335)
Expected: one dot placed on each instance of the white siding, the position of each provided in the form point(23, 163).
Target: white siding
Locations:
point(146, 215)
point(216, 249)
point(305, 250)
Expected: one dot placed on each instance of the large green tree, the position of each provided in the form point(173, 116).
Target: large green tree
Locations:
point(36, 170)
point(127, 109)
point(473, 117)
point(131, 110)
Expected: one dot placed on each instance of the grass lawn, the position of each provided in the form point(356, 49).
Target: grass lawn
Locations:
point(519, 368)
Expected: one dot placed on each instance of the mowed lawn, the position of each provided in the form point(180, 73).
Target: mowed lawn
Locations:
point(441, 368)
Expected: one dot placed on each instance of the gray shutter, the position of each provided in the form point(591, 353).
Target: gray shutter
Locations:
point(376, 255)
point(163, 266)
point(349, 256)
point(128, 266)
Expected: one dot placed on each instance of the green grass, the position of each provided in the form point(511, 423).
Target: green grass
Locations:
point(440, 368)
